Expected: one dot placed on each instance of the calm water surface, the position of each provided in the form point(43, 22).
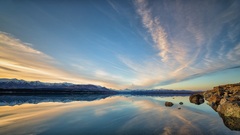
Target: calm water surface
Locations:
point(107, 115)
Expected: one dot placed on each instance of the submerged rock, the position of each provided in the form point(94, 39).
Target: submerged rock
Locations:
point(168, 104)
point(196, 99)
point(181, 103)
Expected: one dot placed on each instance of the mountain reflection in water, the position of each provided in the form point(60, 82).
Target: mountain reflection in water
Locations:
point(103, 114)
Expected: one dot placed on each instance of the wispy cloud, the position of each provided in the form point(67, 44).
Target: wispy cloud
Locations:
point(113, 6)
point(9, 69)
point(190, 48)
point(18, 56)
point(162, 42)
point(19, 60)
point(147, 72)
point(152, 24)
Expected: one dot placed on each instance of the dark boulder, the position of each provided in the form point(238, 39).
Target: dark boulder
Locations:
point(168, 104)
point(181, 103)
point(196, 99)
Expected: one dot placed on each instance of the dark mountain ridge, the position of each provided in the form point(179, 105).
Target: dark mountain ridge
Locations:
point(22, 86)
point(15, 86)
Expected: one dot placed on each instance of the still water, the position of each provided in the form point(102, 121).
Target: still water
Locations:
point(100, 114)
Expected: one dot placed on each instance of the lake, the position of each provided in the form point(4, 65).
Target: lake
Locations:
point(105, 114)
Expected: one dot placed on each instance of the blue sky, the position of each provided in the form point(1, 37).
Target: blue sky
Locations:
point(122, 44)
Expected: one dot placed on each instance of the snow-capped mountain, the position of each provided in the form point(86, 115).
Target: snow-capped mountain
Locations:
point(12, 86)
point(15, 84)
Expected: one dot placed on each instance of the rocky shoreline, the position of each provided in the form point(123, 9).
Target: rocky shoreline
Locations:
point(224, 99)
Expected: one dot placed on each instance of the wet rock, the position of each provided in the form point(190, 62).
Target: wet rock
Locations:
point(225, 99)
point(196, 99)
point(231, 109)
point(214, 106)
point(231, 122)
point(214, 99)
point(181, 103)
point(168, 104)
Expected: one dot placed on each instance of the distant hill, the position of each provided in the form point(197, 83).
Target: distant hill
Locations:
point(15, 86)
point(22, 86)
point(160, 91)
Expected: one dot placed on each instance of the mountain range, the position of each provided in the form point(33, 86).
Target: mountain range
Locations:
point(13, 86)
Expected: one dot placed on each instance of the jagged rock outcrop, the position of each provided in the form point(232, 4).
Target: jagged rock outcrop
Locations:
point(225, 99)
point(196, 99)
point(223, 91)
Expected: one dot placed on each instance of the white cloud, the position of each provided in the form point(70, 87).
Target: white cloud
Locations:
point(154, 28)
point(189, 38)
point(19, 60)
point(234, 54)
point(188, 49)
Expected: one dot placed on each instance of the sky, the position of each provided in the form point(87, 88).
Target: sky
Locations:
point(122, 44)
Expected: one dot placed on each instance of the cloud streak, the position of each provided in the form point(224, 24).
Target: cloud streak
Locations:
point(154, 28)
point(19, 60)
point(182, 48)
point(139, 44)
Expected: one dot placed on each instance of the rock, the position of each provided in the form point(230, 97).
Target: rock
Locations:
point(181, 103)
point(226, 94)
point(231, 122)
point(232, 99)
point(214, 106)
point(231, 109)
point(214, 99)
point(196, 99)
point(179, 108)
point(168, 104)
point(225, 99)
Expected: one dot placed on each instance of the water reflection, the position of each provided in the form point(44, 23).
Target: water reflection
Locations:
point(111, 115)
point(232, 123)
point(35, 99)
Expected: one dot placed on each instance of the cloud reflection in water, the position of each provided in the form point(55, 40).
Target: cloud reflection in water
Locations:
point(111, 115)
